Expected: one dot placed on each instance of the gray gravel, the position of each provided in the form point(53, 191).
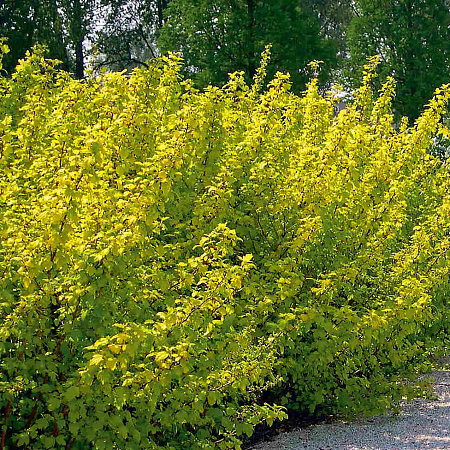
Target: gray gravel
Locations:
point(422, 424)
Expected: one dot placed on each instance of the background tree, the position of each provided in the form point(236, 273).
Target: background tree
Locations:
point(130, 32)
point(222, 36)
point(412, 38)
point(334, 18)
point(216, 37)
point(79, 19)
point(61, 25)
point(26, 23)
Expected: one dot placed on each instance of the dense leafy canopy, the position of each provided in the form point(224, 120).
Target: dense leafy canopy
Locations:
point(26, 23)
point(334, 18)
point(61, 25)
point(218, 37)
point(129, 35)
point(173, 259)
point(413, 39)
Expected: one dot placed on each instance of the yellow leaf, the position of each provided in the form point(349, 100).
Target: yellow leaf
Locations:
point(115, 348)
point(110, 363)
point(247, 258)
point(96, 360)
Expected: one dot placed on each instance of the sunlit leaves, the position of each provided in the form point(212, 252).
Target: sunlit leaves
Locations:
point(180, 256)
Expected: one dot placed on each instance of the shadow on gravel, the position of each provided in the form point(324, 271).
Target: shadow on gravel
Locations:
point(421, 424)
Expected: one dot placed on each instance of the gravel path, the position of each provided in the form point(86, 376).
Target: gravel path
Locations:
point(422, 424)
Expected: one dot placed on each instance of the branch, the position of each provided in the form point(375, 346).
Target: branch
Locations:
point(8, 410)
point(33, 412)
point(119, 60)
point(141, 32)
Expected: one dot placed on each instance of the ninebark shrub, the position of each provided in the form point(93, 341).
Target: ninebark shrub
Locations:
point(173, 258)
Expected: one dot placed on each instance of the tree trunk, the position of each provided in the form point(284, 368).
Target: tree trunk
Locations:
point(79, 59)
point(251, 35)
point(78, 34)
point(410, 60)
point(161, 5)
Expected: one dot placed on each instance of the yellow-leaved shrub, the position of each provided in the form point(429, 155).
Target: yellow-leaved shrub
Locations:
point(181, 265)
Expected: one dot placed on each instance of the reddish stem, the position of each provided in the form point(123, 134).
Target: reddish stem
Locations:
point(55, 431)
point(7, 412)
point(33, 412)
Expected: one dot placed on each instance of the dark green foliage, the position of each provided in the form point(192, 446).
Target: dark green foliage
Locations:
point(218, 37)
point(62, 26)
point(413, 39)
point(25, 23)
point(129, 36)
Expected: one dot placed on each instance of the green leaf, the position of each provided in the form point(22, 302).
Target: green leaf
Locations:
point(53, 403)
point(71, 393)
point(227, 424)
point(24, 439)
point(212, 397)
point(48, 441)
point(74, 428)
point(247, 429)
point(60, 440)
point(122, 430)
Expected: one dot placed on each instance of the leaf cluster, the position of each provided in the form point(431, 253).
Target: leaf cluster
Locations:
point(173, 258)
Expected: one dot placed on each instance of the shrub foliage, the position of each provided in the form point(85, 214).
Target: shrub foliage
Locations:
point(181, 265)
